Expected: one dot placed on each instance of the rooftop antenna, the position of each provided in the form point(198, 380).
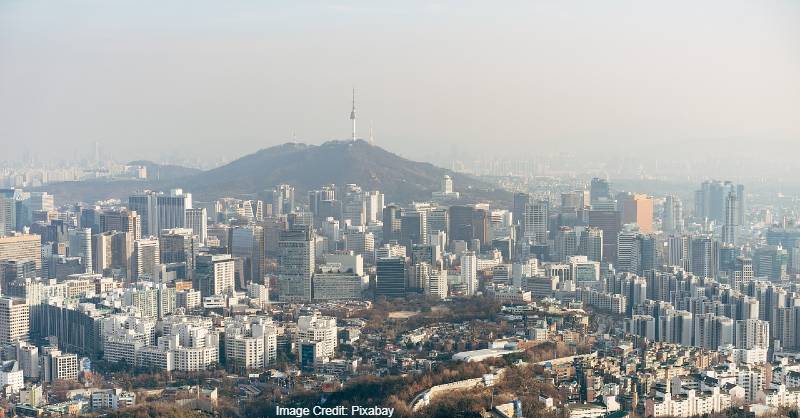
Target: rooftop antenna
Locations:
point(353, 114)
point(371, 136)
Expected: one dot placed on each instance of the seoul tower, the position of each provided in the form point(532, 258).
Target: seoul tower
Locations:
point(353, 114)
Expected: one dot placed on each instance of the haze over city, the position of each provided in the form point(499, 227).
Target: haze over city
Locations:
point(207, 82)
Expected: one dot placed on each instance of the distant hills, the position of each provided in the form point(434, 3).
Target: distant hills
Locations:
point(340, 162)
point(165, 171)
point(304, 166)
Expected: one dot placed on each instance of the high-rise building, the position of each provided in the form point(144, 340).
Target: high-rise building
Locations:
point(672, 219)
point(197, 220)
point(521, 200)
point(214, 274)
point(610, 222)
point(534, 221)
point(467, 223)
point(172, 209)
point(21, 248)
point(704, 256)
point(413, 227)
point(146, 259)
point(247, 243)
point(374, 206)
point(159, 211)
point(638, 209)
point(14, 320)
point(283, 199)
point(731, 223)
point(122, 220)
point(354, 205)
point(145, 205)
point(565, 244)
point(80, 245)
point(469, 272)
point(711, 200)
point(296, 263)
point(178, 245)
point(8, 211)
point(591, 244)
point(600, 189)
point(390, 277)
point(391, 223)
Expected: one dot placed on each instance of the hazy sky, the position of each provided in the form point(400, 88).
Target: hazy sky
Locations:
point(222, 78)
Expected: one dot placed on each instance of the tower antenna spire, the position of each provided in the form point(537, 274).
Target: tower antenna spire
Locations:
point(353, 114)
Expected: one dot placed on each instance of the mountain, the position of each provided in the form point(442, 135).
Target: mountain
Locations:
point(165, 171)
point(304, 166)
point(340, 162)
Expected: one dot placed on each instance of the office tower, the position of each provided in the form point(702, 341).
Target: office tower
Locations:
point(391, 223)
point(283, 199)
point(460, 219)
point(145, 205)
point(469, 272)
point(102, 251)
point(197, 221)
point(272, 233)
point(390, 279)
point(354, 206)
point(296, 263)
point(80, 245)
point(178, 245)
point(534, 221)
point(628, 251)
point(711, 201)
point(730, 226)
point(316, 197)
point(122, 220)
point(480, 227)
point(13, 271)
point(22, 248)
point(770, 262)
point(247, 243)
point(678, 252)
point(638, 209)
point(374, 206)
point(214, 274)
point(565, 244)
point(413, 227)
point(591, 244)
point(88, 218)
point(672, 219)
point(8, 211)
point(521, 200)
point(704, 256)
point(427, 253)
point(743, 273)
point(648, 254)
point(172, 209)
point(419, 276)
point(741, 209)
point(146, 259)
point(362, 243)
point(14, 320)
point(600, 189)
point(610, 222)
